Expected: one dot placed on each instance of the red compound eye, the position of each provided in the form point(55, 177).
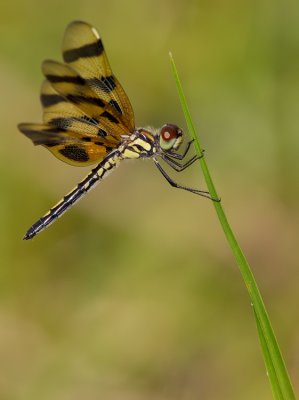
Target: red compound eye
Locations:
point(170, 131)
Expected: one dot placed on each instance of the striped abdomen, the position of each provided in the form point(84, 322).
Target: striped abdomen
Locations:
point(96, 174)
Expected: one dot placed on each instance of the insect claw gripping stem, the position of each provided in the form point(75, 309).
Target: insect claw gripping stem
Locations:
point(216, 200)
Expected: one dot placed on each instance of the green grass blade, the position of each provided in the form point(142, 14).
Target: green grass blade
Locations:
point(277, 394)
point(276, 369)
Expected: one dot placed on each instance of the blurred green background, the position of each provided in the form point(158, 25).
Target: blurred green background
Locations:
point(134, 294)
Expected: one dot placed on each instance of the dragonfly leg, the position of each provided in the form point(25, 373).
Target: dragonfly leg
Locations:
point(202, 193)
point(185, 152)
point(173, 154)
point(178, 166)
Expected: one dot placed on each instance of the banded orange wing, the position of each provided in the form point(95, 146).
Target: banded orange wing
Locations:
point(88, 118)
point(83, 50)
point(72, 147)
point(95, 106)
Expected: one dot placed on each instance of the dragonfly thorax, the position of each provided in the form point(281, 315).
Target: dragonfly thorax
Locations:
point(146, 142)
point(141, 144)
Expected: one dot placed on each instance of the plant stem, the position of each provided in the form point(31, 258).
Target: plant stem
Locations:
point(278, 375)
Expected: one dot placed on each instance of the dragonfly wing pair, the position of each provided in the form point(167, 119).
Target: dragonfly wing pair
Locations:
point(85, 110)
point(88, 118)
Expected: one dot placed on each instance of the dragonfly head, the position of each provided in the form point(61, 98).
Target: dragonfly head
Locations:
point(170, 137)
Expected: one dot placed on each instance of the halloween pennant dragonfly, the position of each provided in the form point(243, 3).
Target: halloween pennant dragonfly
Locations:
point(88, 118)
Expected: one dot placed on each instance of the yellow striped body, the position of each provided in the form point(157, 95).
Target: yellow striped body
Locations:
point(138, 145)
point(88, 118)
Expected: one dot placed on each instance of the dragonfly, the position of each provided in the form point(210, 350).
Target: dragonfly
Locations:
point(88, 119)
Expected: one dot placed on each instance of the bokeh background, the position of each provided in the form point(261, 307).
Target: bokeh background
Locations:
point(134, 294)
